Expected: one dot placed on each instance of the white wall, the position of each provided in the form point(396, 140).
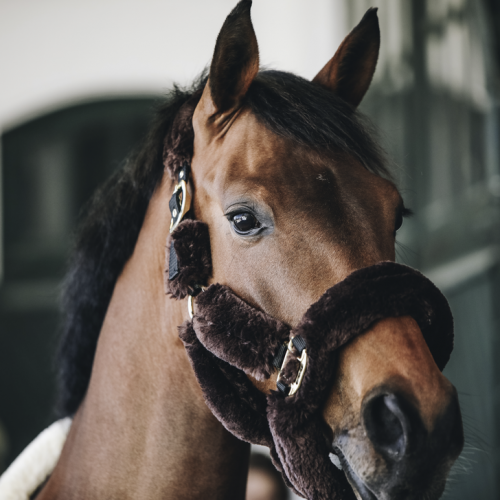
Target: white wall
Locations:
point(56, 52)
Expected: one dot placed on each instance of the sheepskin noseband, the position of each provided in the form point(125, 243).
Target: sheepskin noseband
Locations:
point(228, 339)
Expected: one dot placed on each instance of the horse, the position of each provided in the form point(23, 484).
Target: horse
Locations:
point(297, 197)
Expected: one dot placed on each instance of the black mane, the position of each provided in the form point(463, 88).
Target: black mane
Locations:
point(287, 104)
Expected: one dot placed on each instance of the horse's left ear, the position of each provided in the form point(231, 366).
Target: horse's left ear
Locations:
point(349, 72)
point(235, 64)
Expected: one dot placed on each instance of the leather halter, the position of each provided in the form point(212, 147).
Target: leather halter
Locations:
point(228, 340)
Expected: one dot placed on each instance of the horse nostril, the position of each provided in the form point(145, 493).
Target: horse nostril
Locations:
point(388, 423)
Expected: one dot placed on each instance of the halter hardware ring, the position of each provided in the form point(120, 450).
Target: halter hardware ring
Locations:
point(185, 201)
point(197, 290)
point(294, 387)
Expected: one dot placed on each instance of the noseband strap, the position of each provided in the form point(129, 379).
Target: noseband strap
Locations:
point(229, 341)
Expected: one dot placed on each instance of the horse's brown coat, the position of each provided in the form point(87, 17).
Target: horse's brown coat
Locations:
point(143, 430)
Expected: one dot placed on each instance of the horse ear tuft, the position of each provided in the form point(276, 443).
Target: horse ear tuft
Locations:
point(236, 59)
point(350, 71)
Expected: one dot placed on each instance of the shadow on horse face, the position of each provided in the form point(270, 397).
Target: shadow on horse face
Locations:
point(287, 222)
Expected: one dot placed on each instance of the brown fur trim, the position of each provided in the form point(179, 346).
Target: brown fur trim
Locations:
point(343, 312)
point(192, 246)
point(241, 338)
point(231, 397)
point(290, 370)
point(179, 142)
point(237, 333)
point(304, 452)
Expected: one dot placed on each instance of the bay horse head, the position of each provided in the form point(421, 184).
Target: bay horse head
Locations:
point(295, 216)
point(296, 198)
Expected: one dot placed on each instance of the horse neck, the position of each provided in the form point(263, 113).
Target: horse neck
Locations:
point(143, 429)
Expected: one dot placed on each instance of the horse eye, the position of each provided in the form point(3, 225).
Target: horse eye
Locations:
point(244, 222)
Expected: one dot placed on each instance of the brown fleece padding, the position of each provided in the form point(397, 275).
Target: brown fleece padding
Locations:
point(290, 369)
point(246, 338)
point(355, 304)
point(242, 336)
point(192, 246)
point(229, 339)
point(228, 392)
point(179, 142)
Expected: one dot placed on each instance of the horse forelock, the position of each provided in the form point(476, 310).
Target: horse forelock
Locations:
point(306, 113)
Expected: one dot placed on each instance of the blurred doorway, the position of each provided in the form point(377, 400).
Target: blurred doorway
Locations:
point(50, 168)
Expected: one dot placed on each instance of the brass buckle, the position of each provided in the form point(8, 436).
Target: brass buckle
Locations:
point(294, 387)
point(190, 302)
point(185, 196)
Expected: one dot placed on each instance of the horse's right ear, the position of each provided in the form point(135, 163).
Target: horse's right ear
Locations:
point(350, 71)
point(234, 65)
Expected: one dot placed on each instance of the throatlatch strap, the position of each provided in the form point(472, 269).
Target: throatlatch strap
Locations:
point(175, 204)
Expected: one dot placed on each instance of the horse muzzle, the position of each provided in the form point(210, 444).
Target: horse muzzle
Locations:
point(406, 461)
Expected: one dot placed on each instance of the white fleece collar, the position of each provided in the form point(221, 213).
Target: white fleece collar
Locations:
point(35, 463)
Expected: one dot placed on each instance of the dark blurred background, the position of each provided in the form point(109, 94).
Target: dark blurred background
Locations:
point(435, 100)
